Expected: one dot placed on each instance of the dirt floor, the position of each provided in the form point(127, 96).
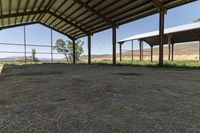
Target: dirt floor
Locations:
point(64, 98)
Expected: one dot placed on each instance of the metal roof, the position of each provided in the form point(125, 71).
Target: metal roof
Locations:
point(183, 33)
point(78, 18)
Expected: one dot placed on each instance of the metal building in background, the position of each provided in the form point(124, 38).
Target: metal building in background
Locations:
point(179, 34)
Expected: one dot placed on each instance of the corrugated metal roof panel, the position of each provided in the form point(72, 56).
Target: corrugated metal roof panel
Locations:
point(81, 17)
point(180, 34)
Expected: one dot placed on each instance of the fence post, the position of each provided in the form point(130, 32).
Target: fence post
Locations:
point(51, 46)
point(25, 44)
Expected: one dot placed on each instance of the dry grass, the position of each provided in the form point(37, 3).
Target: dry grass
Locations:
point(185, 51)
point(1, 68)
point(81, 98)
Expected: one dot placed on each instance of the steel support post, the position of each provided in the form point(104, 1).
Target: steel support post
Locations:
point(199, 50)
point(51, 46)
point(169, 47)
point(132, 50)
point(141, 50)
point(151, 53)
point(25, 44)
point(120, 51)
point(89, 49)
point(114, 44)
point(74, 51)
point(161, 36)
point(172, 51)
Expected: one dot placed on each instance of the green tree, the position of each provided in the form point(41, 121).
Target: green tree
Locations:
point(66, 48)
point(61, 47)
point(197, 20)
point(33, 55)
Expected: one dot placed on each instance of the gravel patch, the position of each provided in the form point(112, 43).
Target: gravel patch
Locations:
point(62, 98)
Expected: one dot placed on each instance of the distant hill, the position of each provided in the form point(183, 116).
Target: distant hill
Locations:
point(183, 51)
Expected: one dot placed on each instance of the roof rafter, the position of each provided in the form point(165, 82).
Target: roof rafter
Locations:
point(18, 25)
point(110, 22)
point(18, 6)
point(57, 30)
point(10, 4)
point(69, 22)
point(25, 9)
point(62, 13)
point(39, 8)
point(73, 19)
point(44, 11)
point(22, 14)
point(47, 7)
point(159, 6)
point(91, 17)
point(195, 35)
point(1, 12)
point(56, 11)
point(137, 12)
point(113, 10)
point(33, 7)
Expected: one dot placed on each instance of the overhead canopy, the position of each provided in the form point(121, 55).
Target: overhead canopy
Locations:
point(183, 33)
point(78, 18)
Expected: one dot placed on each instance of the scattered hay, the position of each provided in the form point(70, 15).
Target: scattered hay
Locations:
point(1, 68)
point(99, 99)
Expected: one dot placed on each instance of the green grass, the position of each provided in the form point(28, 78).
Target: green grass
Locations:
point(183, 64)
point(18, 63)
point(29, 63)
point(167, 64)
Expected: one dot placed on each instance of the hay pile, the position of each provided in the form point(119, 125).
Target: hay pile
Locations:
point(1, 68)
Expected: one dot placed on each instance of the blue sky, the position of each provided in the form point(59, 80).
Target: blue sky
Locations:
point(101, 42)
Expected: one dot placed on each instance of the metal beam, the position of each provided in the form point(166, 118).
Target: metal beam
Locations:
point(69, 22)
point(39, 8)
point(132, 50)
point(70, 37)
point(32, 9)
point(89, 49)
point(25, 9)
point(172, 51)
point(59, 7)
point(25, 44)
point(113, 10)
point(159, 6)
point(17, 25)
point(195, 35)
point(151, 53)
point(95, 12)
point(85, 12)
point(47, 8)
point(120, 51)
point(114, 44)
point(1, 12)
point(22, 14)
point(161, 36)
point(141, 50)
point(10, 4)
point(74, 51)
point(199, 50)
point(162, 12)
point(51, 46)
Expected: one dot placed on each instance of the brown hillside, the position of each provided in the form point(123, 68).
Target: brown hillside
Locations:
point(184, 51)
